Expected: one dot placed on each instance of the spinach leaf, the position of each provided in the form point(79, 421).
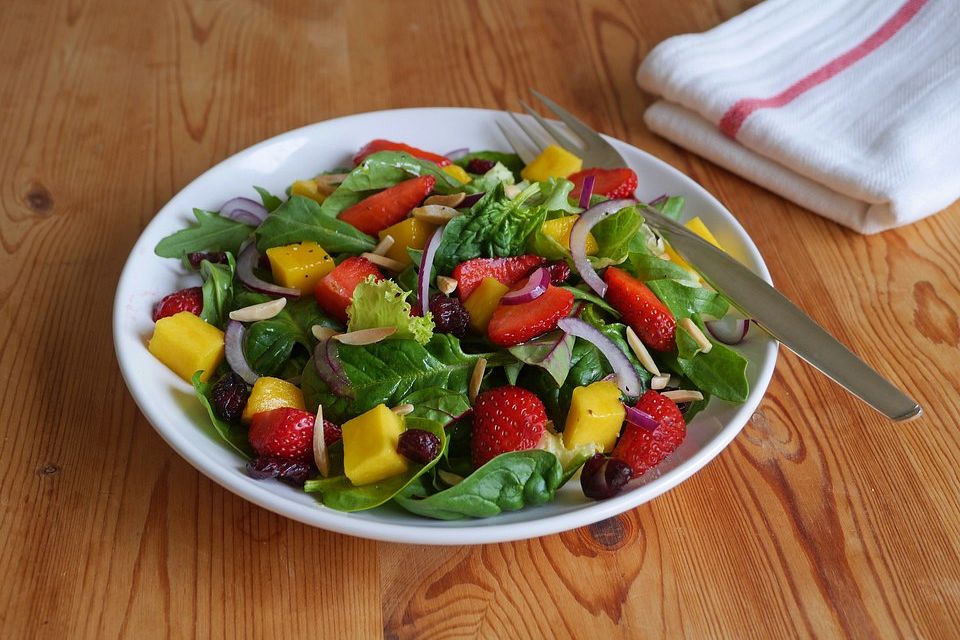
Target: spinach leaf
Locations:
point(580, 292)
point(217, 290)
point(615, 233)
point(509, 482)
point(340, 494)
point(233, 435)
point(687, 300)
point(270, 201)
point(211, 233)
point(720, 372)
point(512, 371)
point(587, 365)
point(510, 160)
point(646, 267)
point(551, 351)
point(299, 220)
point(269, 343)
point(438, 404)
point(672, 207)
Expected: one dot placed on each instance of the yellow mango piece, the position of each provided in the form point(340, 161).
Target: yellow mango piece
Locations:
point(412, 233)
point(187, 344)
point(483, 302)
point(299, 266)
point(308, 188)
point(698, 227)
point(553, 162)
point(596, 415)
point(271, 393)
point(456, 172)
point(559, 230)
point(370, 446)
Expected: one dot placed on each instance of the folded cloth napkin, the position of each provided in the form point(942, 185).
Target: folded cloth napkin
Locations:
point(850, 108)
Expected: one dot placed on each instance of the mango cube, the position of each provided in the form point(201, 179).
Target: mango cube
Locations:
point(596, 415)
point(483, 302)
point(412, 233)
point(299, 266)
point(370, 446)
point(271, 393)
point(553, 162)
point(698, 227)
point(559, 230)
point(457, 173)
point(308, 188)
point(187, 344)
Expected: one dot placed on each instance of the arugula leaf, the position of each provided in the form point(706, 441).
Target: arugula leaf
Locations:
point(437, 403)
point(510, 160)
point(551, 351)
point(217, 290)
point(384, 304)
point(686, 300)
point(233, 435)
point(270, 201)
point(299, 220)
point(211, 233)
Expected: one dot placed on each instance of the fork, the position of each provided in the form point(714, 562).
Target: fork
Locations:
point(746, 291)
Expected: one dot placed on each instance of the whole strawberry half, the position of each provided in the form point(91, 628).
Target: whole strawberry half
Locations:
point(189, 299)
point(641, 309)
point(505, 419)
point(611, 183)
point(643, 449)
point(287, 433)
point(508, 271)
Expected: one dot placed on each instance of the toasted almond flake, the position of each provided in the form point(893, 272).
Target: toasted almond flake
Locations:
point(450, 479)
point(451, 200)
point(328, 183)
point(262, 311)
point(403, 409)
point(446, 285)
point(659, 381)
point(435, 213)
point(511, 191)
point(365, 336)
point(320, 455)
point(690, 327)
point(641, 352)
point(384, 245)
point(683, 395)
point(478, 370)
point(387, 263)
point(321, 332)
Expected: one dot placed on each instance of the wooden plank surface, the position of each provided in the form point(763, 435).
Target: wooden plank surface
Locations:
point(820, 520)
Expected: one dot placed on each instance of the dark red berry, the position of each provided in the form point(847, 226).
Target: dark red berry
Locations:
point(449, 315)
point(418, 445)
point(559, 272)
point(289, 471)
point(604, 477)
point(479, 166)
point(189, 299)
point(331, 432)
point(195, 258)
point(229, 397)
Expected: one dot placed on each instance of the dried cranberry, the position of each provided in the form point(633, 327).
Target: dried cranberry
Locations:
point(229, 397)
point(479, 166)
point(449, 315)
point(603, 477)
point(419, 445)
point(195, 258)
point(559, 272)
point(290, 471)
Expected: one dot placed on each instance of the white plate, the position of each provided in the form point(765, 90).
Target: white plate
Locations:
point(169, 404)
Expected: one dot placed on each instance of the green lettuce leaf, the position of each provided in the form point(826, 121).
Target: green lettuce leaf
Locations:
point(211, 233)
point(384, 304)
point(299, 220)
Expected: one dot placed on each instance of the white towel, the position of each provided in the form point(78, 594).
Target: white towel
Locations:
point(850, 108)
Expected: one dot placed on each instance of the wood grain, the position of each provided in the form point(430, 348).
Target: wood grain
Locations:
point(820, 520)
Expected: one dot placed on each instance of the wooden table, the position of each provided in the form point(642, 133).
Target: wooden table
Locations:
point(821, 519)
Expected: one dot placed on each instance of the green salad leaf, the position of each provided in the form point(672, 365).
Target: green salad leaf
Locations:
point(646, 267)
point(499, 174)
point(211, 233)
point(384, 304)
point(570, 459)
point(233, 435)
point(551, 351)
point(686, 300)
point(437, 403)
point(582, 292)
point(299, 220)
point(270, 343)
point(721, 372)
point(555, 197)
point(615, 233)
point(510, 160)
point(217, 290)
point(269, 200)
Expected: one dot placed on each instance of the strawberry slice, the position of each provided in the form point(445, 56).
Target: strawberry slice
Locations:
point(641, 309)
point(512, 324)
point(611, 183)
point(375, 213)
point(505, 419)
point(643, 449)
point(508, 271)
point(335, 291)
point(375, 146)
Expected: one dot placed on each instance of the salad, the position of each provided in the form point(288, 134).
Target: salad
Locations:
point(456, 334)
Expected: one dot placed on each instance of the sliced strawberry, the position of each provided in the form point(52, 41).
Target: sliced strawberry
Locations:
point(505, 419)
point(189, 299)
point(643, 449)
point(335, 291)
point(375, 213)
point(471, 273)
point(375, 146)
point(287, 433)
point(611, 183)
point(641, 309)
point(512, 324)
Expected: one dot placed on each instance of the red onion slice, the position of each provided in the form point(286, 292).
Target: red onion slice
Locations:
point(249, 258)
point(426, 267)
point(641, 419)
point(627, 378)
point(233, 349)
point(728, 330)
point(535, 287)
point(244, 210)
point(327, 363)
point(586, 191)
point(578, 240)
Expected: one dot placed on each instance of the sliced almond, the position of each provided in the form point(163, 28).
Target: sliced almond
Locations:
point(450, 479)
point(691, 327)
point(511, 191)
point(451, 200)
point(320, 455)
point(328, 183)
point(641, 352)
point(321, 332)
point(262, 311)
point(403, 409)
point(384, 245)
point(446, 285)
point(478, 370)
point(660, 381)
point(365, 336)
point(683, 395)
point(387, 263)
point(435, 213)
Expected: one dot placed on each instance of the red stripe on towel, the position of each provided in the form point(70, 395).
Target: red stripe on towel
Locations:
point(734, 118)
